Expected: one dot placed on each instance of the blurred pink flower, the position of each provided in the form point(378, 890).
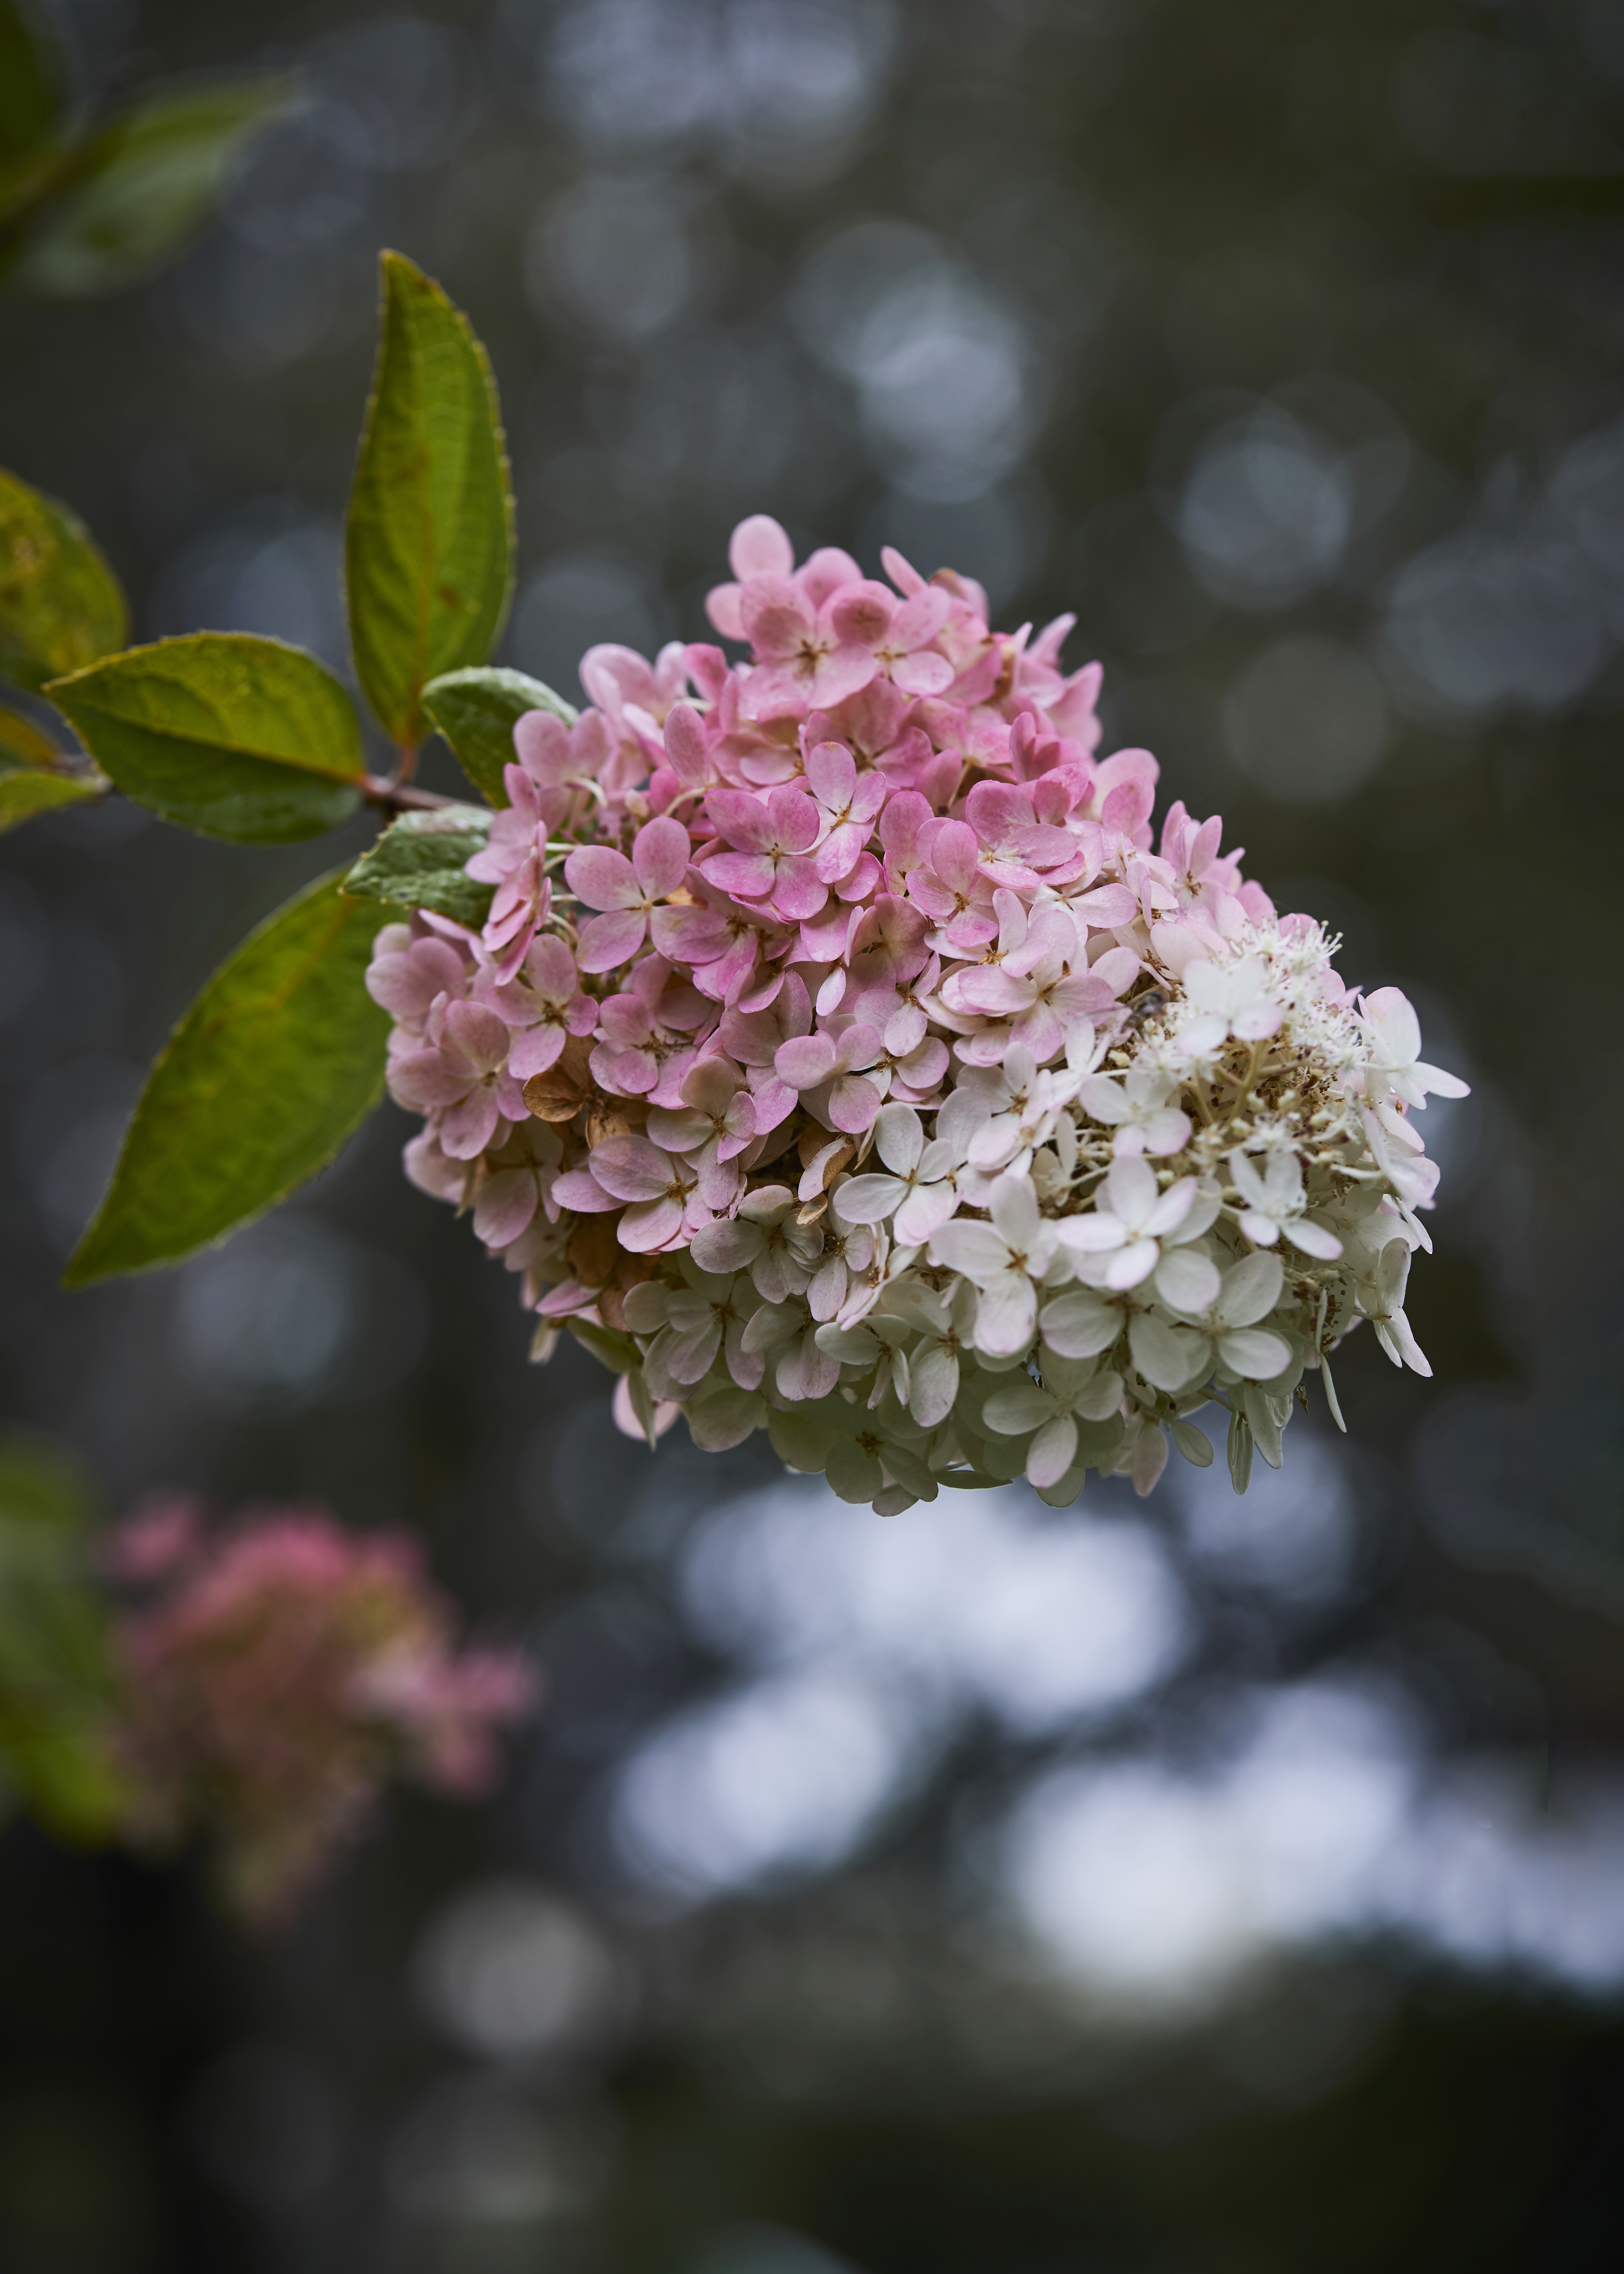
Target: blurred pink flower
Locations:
point(275, 1675)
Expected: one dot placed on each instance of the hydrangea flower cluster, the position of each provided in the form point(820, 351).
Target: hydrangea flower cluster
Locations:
point(275, 1674)
point(844, 1055)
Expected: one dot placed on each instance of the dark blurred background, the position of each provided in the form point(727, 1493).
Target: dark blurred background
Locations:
point(1209, 1887)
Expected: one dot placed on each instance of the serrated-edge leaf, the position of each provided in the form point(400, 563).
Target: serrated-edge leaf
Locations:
point(418, 863)
point(61, 606)
point(475, 710)
point(429, 537)
point(227, 1068)
point(107, 686)
point(236, 706)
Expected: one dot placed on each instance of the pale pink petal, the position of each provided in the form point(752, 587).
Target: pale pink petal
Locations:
point(506, 1204)
point(610, 940)
point(478, 1033)
point(870, 1198)
point(805, 1061)
point(760, 547)
point(427, 1079)
point(603, 877)
point(468, 1128)
point(1006, 1318)
point(631, 1168)
point(535, 1051)
point(659, 856)
point(651, 1225)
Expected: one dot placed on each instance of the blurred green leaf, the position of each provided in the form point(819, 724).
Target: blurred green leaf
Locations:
point(55, 1684)
point(61, 606)
point(271, 1069)
point(430, 540)
point(40, 1486)
point(475, 710)
point(418, 863)
point(24, 792)
point(142, 185)
point(222, 732)
point(22, 743)
point(31, 81)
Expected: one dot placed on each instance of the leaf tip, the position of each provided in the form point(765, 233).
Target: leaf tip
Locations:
point(82, 1269)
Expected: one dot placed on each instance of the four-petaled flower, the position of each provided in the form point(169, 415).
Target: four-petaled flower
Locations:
point(1138, 1108)
point(691, 1324)
point(766, 1240)
point(462, 1076)
point(1238, 994)
point(1275, 1203)
point(1121, 1240)
point(919, 1194)
point(544, 1005)
point(1071, 1389)
point(626, 890)
point(662, 1190)
point(1007, 1260)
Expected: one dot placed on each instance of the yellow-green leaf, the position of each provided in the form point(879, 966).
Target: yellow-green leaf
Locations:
point(22, 743)
point(475, 711)
point(222, 732)
point(26, 793)
point(430, 540)
point(61, 606)
point(271, 1069)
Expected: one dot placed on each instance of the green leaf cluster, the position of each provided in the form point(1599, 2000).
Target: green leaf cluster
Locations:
point(55, 1678)
point(87, 208)
point(251, 740)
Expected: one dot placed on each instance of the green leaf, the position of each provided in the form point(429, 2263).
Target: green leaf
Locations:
point(31, 82)
point(22, 743)
point(23, 793)
point(271, 1069)
point(61, 606)
point(475, 710)
point(429, 544)
point(147, 180)
point(222, 732)
point(420, 863)
point(617, 1352)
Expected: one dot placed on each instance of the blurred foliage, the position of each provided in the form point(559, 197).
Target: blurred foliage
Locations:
point(87, 209)
point(56, 1680)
